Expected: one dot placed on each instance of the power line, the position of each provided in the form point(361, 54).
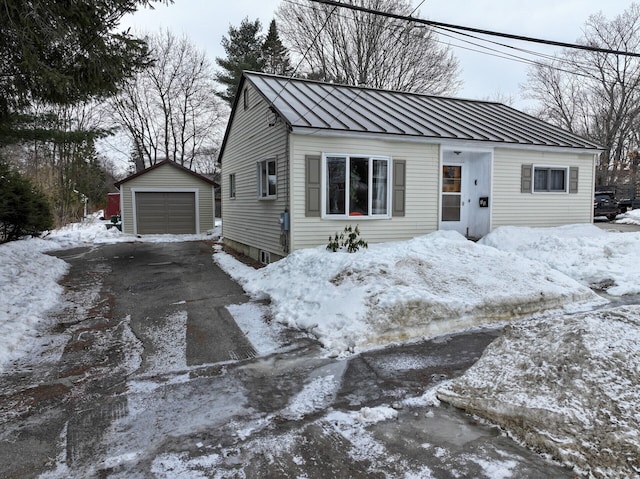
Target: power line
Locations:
point(453, 34)
point(305, 54)
point(414, 10)
point(511, 36)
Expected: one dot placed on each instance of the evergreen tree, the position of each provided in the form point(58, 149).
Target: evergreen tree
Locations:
point(243, 47)
point(23, 209)
point(63, 53)
point(275, 54)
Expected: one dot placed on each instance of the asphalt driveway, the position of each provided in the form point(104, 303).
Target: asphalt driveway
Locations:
point(150, 281)
point(146, 374)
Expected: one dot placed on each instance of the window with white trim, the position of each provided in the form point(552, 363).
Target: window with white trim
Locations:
point(267, 179)
point(549, 179)
point(356, 185)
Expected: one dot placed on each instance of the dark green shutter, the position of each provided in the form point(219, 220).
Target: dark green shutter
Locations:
point(312, 185)
point(573, 179)
point(526, 178)
point(399, 187)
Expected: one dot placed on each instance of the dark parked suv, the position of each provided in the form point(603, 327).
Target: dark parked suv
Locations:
point(604, 204)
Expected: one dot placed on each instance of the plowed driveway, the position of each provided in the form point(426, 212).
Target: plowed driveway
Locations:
point(146, 374)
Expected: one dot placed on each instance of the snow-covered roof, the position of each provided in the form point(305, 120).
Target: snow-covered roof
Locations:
point(309, 106)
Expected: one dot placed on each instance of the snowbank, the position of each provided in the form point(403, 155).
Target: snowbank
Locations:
point(596, 258)
point(28, 288)
point(395, 291)
point(94, 231)
point(565, 385)
point(29, 277)
point(631, 217)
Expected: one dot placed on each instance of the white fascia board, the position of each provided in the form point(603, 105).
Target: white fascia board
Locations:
point(444, 142)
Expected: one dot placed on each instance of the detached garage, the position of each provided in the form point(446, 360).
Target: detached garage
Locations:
point(167, 198)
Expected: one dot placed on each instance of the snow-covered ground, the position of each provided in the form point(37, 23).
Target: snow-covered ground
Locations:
point(441, 282)
point(631, 217)
point(548, 363)
point(389, 292)
point(588, 254)
point(567, 386)
point(29, 277)
point(397, 291)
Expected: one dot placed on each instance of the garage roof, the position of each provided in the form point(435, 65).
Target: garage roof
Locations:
point(310, 106)
point(171, 163)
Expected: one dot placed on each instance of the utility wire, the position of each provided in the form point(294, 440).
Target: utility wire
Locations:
point(432, 23)
point(305, 54)
point(455, 35)
point(414, 10)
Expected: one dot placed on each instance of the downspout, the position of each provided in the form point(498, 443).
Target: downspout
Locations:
point(286, 246)
point(596, 157)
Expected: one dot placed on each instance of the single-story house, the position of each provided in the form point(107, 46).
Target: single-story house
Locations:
point(167, 198)
point(303, 159)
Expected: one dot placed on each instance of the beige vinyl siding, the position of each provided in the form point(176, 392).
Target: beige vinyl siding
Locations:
point(512, 207)
point(421, 190)
point(246, 219)
point(167, 178)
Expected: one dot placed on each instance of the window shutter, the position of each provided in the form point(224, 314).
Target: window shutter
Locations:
point(573, 179)
point(312, 185)
point(525, 179)
point(398, 192)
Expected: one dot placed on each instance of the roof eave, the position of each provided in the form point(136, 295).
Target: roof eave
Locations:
point(326, 132)
point(172, 164)
point(246, 78)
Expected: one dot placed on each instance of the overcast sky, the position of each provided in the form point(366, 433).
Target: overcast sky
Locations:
point(206, 21)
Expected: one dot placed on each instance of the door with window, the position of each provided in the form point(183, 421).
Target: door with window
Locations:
point(452, 211)
point(465, 197)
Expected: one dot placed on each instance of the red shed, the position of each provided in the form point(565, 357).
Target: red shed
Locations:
point(113, 205)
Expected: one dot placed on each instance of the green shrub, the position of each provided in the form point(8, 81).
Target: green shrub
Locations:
point(349, 239)
point(23, 209)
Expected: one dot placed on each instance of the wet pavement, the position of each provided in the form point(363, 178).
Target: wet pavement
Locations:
point(144, 373)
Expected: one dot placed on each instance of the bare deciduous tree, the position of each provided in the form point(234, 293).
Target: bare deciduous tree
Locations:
point(170, 110)
point(58, 155)
point(359, 48)
point(595, 94)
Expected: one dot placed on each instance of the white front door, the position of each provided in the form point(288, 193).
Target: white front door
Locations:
point(465, 203)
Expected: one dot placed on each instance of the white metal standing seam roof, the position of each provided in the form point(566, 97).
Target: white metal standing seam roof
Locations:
point(312, 105)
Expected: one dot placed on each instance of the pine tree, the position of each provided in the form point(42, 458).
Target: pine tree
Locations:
point(243, 47)
point(63, 53)
point(23, 209)
point(275, 54)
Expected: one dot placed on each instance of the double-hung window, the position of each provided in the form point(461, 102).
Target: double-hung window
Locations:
point(357, 185)
point(267, 179)
point(547, 179)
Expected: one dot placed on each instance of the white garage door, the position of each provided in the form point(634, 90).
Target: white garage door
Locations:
point(166, 212)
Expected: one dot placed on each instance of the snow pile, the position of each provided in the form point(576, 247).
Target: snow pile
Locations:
point(596, 258)
point(91, 230)
point(631, 217)
point(94, 231)
point(401, 290)
point(28, 288)
point(29, 277)
point(566, 385)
